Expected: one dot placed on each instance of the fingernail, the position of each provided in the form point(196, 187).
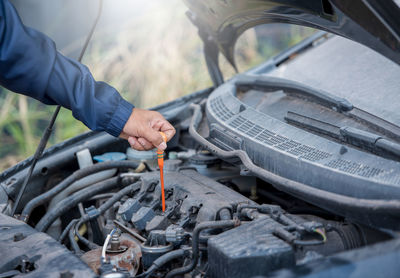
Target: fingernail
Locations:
point(162, 146)
point(131, 141)
point(142, 142)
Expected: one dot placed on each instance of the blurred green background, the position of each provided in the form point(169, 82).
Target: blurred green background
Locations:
point(148, 50)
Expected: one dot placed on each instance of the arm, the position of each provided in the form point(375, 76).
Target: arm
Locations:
point(31, 65)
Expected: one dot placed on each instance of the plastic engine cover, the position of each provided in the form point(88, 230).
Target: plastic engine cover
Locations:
point(248, 250)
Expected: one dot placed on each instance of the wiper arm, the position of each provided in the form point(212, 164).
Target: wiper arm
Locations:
point(291, 87)
point(353, 136)
point(341, 105)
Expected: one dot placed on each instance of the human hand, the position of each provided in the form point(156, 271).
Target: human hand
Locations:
point(142, 130)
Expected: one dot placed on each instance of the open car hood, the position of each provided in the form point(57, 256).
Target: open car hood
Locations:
point(373, 23)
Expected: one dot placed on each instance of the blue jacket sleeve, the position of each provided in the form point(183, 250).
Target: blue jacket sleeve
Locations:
point(31, 65)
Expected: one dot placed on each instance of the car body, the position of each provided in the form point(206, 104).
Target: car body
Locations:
point(290, 169)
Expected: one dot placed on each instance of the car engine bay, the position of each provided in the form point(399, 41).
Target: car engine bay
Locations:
point(221, 220)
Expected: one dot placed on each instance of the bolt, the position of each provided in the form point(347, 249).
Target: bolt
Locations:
point(115, 243)
point(343, 150)
point(19, 237)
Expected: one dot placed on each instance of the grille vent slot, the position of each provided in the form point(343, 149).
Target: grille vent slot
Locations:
point(220, 109)
point(354, 168)
point(301, 150)
point(280, 142)
point(316, 155)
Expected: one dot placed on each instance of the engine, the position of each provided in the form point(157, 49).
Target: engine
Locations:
point(214, 224)
point(220, 220)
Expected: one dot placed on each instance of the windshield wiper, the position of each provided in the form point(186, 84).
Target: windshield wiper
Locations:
point(360, 138)
point(338, 104)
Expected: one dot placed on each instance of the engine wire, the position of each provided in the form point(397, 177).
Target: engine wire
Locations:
point(103, 251)
point(46, 135)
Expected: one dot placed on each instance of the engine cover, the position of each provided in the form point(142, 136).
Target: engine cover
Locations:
point(249, 250)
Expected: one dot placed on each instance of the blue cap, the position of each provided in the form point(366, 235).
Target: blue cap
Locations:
point(111, 156)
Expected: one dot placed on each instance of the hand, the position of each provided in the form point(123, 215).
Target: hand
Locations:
point(142, 130)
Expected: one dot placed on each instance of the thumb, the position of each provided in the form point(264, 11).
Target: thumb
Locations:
point(155, 138)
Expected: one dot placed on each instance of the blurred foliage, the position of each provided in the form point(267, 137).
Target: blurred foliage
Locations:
point(148, 61)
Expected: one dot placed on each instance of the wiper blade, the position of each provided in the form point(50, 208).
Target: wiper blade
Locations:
point(353, 136)
point(338, 104)
point(313, 124)
point(291, 87)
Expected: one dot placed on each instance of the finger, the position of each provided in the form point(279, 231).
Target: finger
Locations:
point(135, 144)
point(155, 138)
point(145, 144)
point(168, 130)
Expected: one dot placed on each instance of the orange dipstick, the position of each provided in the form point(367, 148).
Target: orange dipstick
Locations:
point(160, 160)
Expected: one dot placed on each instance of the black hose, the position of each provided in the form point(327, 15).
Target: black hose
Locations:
point(224, 213)
point(309, 193)
point(88, 243)
point(104, 207)
point(161, 261)
point(195, 243)
point(66, 230)
point(73, 243)
point(73, 200)
point(45, 197)
point(240, 207)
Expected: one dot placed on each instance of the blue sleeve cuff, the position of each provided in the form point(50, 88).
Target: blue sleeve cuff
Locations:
point(119, 118)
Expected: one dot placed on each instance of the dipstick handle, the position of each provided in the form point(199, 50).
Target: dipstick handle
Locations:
point(160, 160)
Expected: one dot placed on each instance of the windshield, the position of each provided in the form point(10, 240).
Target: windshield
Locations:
point(258, 44)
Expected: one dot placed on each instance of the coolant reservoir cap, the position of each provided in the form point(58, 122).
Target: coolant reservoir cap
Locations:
point(203, 159)
point(110, 156)
point(141, 155)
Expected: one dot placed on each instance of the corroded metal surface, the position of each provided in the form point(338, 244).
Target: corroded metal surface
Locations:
point(128, 259)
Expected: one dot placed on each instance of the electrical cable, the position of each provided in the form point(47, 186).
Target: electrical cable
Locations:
point(49, 128)
point(73, 243)
point(66, 230)
point(103, 250)
point(161, 261)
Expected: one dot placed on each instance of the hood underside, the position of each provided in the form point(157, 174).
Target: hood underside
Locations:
point(375, 24)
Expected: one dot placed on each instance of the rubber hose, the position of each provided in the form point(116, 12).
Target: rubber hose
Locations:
point(73, 200)
point(45, 197)
point(161, 261)
point(66, 230)
point(88, 243)
point(73, 243)
point(225, 214)
point(195, 243)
